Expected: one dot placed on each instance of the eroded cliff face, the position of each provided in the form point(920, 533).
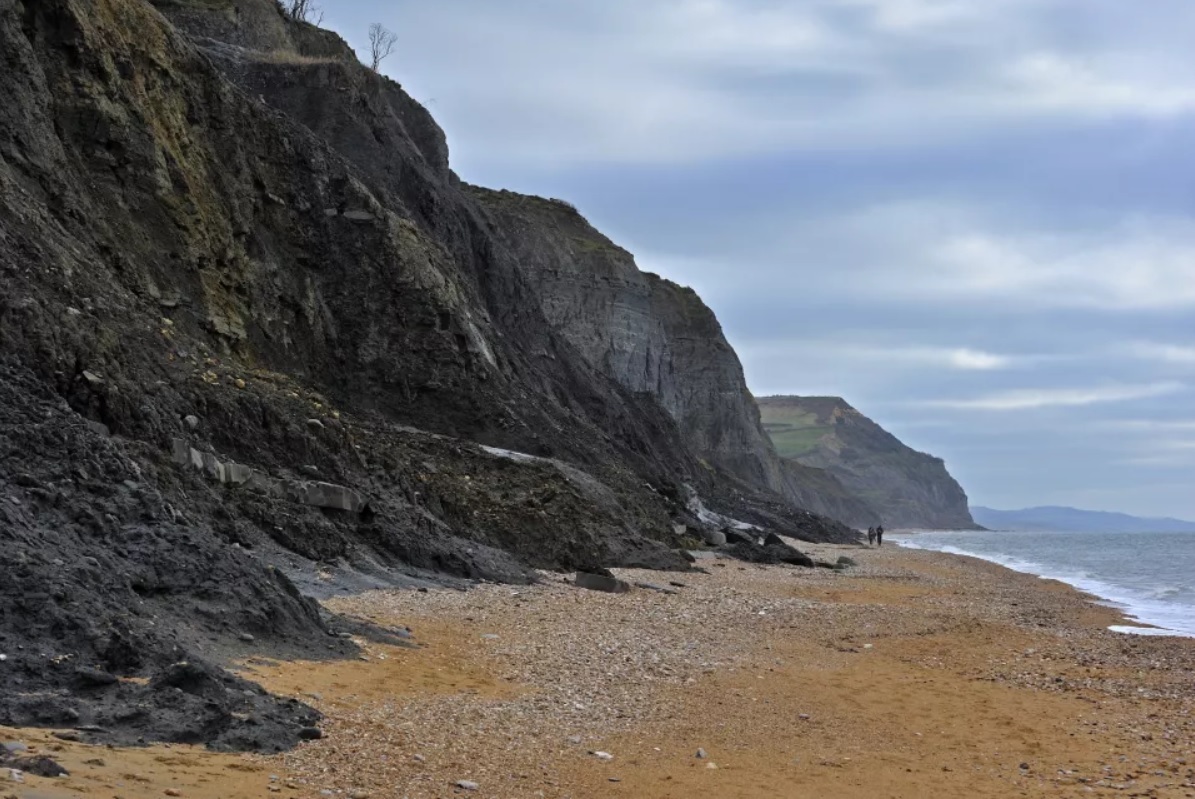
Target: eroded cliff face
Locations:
point(239, 284)
point(657, 338)
point(904, 488)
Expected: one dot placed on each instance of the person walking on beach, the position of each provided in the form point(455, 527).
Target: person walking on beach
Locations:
point(880, 536)
point(871, 536)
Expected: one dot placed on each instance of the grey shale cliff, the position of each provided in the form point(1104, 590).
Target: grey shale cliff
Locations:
point(258, 342)
point(656, 338)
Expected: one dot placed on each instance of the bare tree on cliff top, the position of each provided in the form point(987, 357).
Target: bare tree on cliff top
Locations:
point(303, 11)
point(381, 44)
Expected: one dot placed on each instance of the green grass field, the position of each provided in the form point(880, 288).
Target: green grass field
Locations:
point(793, 431)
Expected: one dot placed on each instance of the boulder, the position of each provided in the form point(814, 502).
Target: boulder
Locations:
point(598, 582)
point(733, 536)
point(768, 553)
point(715, 538)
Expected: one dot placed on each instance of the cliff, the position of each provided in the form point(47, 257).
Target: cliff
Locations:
point(905, 488)
point(256, 337)
point(654, 338)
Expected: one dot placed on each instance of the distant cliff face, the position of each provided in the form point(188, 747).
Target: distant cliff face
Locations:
point(905, 488)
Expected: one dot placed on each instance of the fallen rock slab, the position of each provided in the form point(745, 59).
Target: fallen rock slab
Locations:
point(772, 552)
point(599, 582)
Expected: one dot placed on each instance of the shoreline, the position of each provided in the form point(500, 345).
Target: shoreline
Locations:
point(1141, 616)
point(916, 672)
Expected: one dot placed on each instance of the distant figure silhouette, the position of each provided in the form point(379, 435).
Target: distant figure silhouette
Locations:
point(871, 536)
point(880, 536)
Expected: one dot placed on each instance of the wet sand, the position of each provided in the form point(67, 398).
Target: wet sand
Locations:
point(915, 674)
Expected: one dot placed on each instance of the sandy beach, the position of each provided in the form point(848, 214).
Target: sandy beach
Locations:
point(913, 674)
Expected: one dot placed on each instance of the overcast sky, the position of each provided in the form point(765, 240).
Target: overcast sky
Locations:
point(974, 220)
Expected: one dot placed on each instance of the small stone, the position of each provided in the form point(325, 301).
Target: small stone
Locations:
point(614, 779)
point(701, 755)
point(419, 759)
point(315, 424)
point(92, 378)
point(239, 383)
point(173, 792)
point(191, 420)
point(359, 795)
point(602, 755)
point(247, 638)
point(803, 716)
point(311, 733)
point(574, 739)
point(14, 747)
point(16, 775)
point(467, 785)
point(711, 764)
point(3, 658)
point(490, 637)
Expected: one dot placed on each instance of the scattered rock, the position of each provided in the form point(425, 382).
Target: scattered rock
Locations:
point(739, 537)
point(40, 766)
point(311, 733)
point(192, 421)
point(701, 755)
point(715, 538)
point(602, 755)
point(774, 550)
point(247, 638)
point(598, 582)
point(653, 587)
point(467, 785)
point(173, 792)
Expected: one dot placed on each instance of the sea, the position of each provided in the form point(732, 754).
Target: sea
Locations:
point(1148, 576)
